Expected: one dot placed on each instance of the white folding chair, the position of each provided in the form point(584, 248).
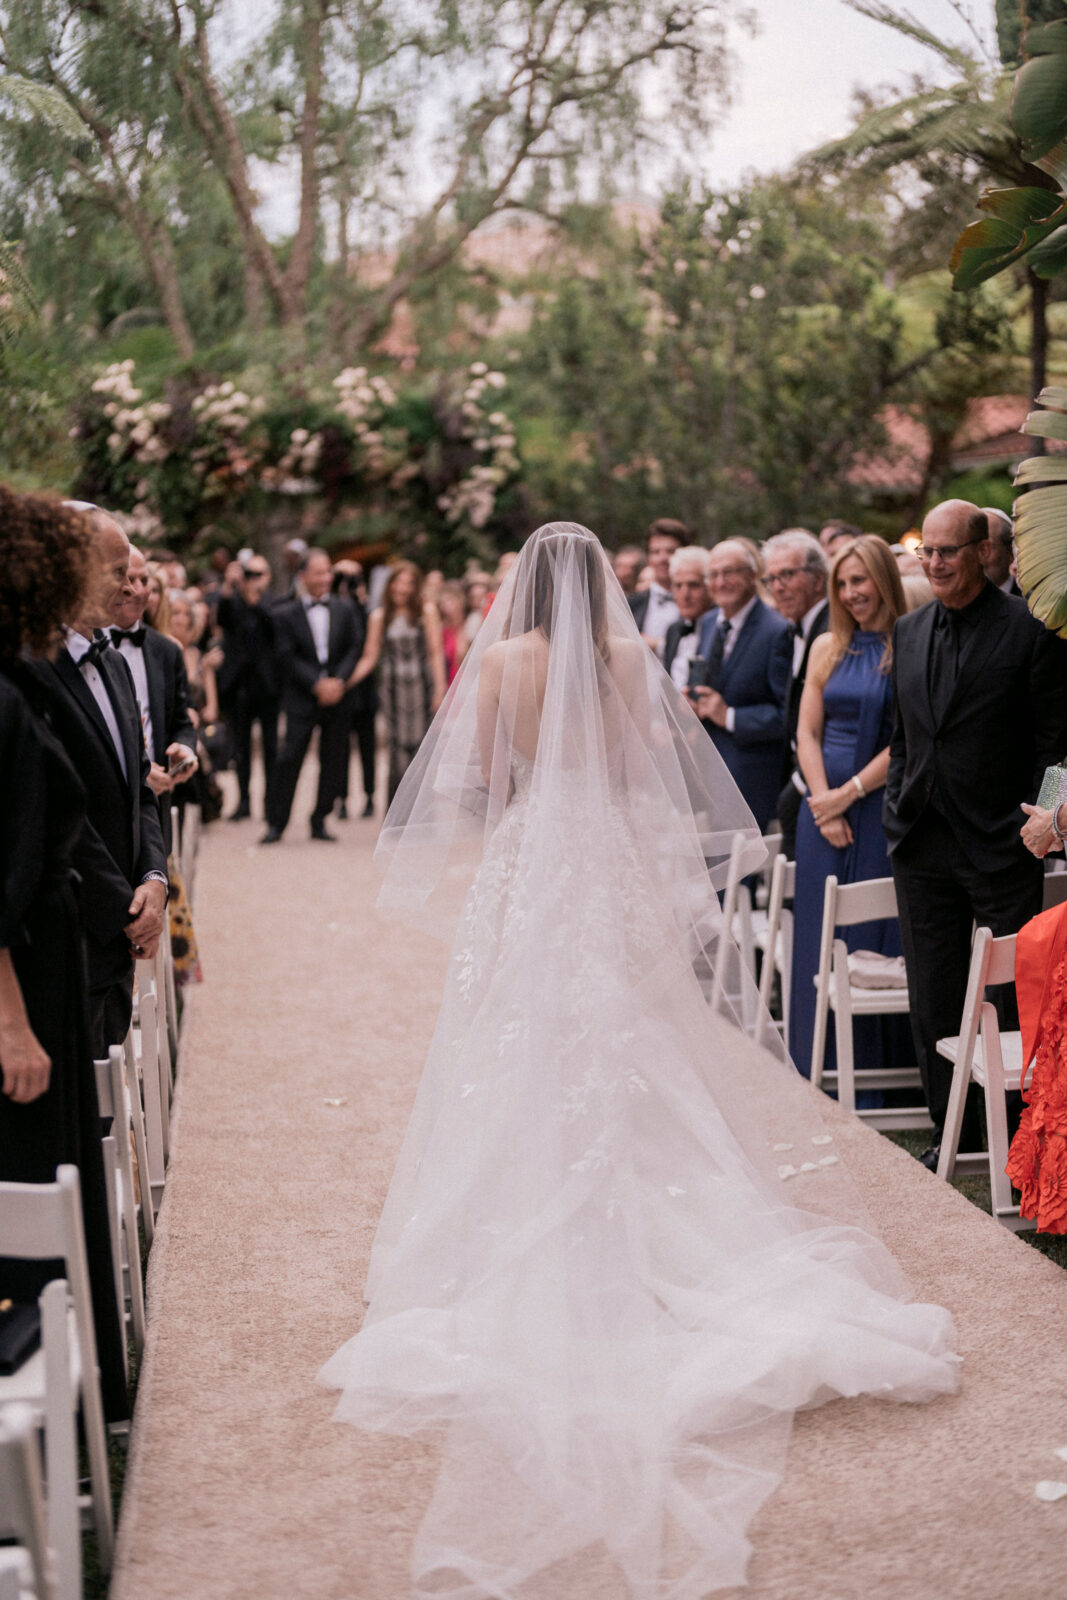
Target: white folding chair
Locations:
point(115, 1102)
point(845, 905)
point(746, 923)
point(142, 1069)
point(776, 941)
point(980, 1053)
point(42, 1222)
point(27, 1569)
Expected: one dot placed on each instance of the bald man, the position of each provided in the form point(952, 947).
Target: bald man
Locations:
point(981, 711)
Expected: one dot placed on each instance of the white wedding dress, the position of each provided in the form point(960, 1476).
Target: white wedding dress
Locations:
point(619, 1249)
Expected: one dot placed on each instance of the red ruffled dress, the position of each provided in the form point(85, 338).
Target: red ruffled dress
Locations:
point(1037, 1160)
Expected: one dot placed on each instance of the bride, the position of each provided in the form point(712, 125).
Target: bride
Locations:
point(619, 1249)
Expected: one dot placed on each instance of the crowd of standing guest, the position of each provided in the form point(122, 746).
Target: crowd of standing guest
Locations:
point(890, 712)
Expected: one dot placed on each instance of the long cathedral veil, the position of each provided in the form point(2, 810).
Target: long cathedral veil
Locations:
point(619, 1249)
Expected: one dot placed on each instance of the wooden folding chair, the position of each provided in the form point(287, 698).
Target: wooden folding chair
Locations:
point(776, 942)
point(845, 905)
point(43, 1222)
point(115, 1102)
point(142, 1068)
point(980, 1053)
point(27, 1568)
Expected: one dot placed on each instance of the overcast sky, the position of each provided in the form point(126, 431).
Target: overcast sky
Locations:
point(796, 77)
point(792, 86)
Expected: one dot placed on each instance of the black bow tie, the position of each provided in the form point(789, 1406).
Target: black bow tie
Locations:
point(134, 636)
point(688, 628)
point(99, 647)
point(313, 603)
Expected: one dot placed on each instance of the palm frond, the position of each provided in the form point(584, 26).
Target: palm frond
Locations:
point(42, 101)
point(904, 23)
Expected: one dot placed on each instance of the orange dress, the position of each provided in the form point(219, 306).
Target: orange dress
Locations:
point(1037, 1160)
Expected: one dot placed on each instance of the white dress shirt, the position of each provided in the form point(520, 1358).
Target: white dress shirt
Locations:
point(134, 659)
point(737, 622)
point(77, 647)
point(661, 612)
point(318, 615)
point(687, 649)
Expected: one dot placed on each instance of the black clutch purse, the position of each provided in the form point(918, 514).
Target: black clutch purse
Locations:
point(20, 1335)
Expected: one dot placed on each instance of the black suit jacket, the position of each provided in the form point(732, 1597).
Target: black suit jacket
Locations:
point(638, 604)
point(122, 839)
point(298, 660)
point(168, 704)
point(820, 623)
point(672, 640)
point(249, 648)
point(1006, 722)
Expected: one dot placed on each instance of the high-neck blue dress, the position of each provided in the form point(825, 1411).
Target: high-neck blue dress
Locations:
point(858, 715)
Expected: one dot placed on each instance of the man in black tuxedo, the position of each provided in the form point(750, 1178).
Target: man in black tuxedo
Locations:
point(120, 857)
point(161, 685)
point(795, 570)
point(689, 590)
point(362, 701)
point(981, 711)
point(318, 648)
point(248, 678)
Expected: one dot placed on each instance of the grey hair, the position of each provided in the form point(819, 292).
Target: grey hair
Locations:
point(815, 560)
point(751, 559)
point(691, 552)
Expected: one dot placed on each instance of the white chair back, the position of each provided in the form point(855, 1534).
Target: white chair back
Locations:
point(40, 1222)
point(980, 1053)
point(847, 905)
point(22, 1504)
point(777, 943)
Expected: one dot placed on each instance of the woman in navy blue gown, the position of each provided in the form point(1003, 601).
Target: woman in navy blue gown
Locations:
point(843, 751)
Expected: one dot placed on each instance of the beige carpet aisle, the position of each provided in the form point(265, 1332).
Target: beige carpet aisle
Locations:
point(239, 1485)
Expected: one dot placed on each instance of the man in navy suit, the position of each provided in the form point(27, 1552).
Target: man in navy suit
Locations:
point(318, 647)
point(748, 648)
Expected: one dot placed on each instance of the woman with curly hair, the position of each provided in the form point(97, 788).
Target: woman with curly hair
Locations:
point(48, 1106)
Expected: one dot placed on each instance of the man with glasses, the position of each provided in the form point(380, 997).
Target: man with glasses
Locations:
point(748, 652)
point(981, 711)
point(795, 570)
point(249, 691)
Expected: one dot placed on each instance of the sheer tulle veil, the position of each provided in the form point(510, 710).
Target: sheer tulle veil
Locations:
point(619, 1249)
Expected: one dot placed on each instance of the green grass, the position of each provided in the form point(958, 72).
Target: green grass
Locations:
point(976, 1190)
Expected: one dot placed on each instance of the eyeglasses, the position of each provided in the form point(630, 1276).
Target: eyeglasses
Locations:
point(729, 572)
point(256, 572)
point(785, 575)
point(947, 552)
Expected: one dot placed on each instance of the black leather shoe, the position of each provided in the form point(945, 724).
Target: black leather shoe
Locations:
point(931, 1157)
point(271, 836)
point(242, 814)
point(342, 811)
point(318, 831)
point(368, 809)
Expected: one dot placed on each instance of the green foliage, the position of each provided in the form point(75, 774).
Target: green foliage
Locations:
point(732, 373)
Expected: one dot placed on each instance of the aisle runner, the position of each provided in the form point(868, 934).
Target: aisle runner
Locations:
point(240, 1487)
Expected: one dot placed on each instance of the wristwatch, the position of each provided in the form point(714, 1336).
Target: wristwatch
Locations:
point(156, 877)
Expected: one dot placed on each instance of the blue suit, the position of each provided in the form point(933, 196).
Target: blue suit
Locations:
point(755, 683)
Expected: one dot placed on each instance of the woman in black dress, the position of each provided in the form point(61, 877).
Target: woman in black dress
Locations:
point(48, 1105)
